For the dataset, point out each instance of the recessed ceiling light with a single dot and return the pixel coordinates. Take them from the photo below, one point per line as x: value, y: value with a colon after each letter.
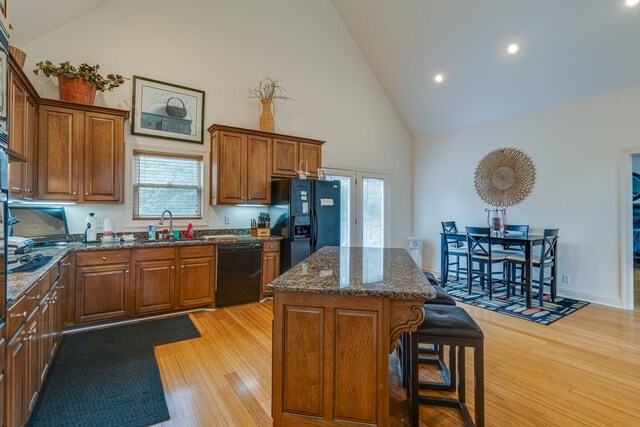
x: 632, y: 3
x: 513, y: 48
x: 439, y: 78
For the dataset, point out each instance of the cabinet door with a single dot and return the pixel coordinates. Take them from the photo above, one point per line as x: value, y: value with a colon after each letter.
x: 103, y: 292
x: 103, y: 157
x: 31, y: 131
x: 55, y: 318
x: 196, y: 282
x: 312, y: 153
x: 32, y: 354
x: 16, y: 369
x: 17, y: 113
x: 45, y: 336
x: 284, y: 157
x: 232, y: 164
x: 258, y: 170
x: 59, y: 153
x: 270, y: 269
x: 155, y: 286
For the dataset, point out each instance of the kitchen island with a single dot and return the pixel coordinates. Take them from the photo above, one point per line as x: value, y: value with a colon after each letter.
x: 337, y: 316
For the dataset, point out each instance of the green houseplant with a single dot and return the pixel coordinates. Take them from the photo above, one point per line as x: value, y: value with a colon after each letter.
x: 79, y: 84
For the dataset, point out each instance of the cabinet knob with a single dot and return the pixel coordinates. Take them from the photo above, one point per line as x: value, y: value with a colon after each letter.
x: 104, y: 258
x: 172, y: 267
x: 23, y: 314
x: 27, y: 338
x: 126, y: 271
x: 86, y: 193
x: 66, y: 264
x: 37, y: 297
x: 249, y: 198
x: 182, y: 266
x: 75, y: 193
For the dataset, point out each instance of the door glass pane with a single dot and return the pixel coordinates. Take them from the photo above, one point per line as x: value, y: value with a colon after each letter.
x: 345, y: 209
x: 373, y: 212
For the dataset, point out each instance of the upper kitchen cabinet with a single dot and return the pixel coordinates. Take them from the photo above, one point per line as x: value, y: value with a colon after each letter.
x: 243, y: 161
x: 23, y: 107
x: 80, y: 152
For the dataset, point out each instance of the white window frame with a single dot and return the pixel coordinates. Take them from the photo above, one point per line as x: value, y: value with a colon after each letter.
x: 166, y: 148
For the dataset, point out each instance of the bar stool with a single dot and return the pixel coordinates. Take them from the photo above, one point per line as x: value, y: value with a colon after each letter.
x: 435, y: 354
x: 452, y: 326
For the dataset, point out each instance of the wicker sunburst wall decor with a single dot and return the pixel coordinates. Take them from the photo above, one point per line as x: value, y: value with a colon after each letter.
x: 505, y: 177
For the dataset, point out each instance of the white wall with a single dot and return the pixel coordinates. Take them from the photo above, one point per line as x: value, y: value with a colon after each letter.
x: 578, y: 150
x: 225, y: 46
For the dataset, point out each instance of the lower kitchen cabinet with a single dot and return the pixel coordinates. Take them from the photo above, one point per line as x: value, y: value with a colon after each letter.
x: 155, y: 286
x: 197, y: 286
x: 33, y: 369
x: 16, y: 379
x: 103, y: 292
x: 270, y: 270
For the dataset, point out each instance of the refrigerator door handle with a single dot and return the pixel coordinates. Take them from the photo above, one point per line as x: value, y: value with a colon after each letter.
x: 314, y: 231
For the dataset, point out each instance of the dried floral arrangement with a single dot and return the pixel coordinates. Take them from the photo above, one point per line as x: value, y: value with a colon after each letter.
x: 84, y: 71
x: 270, y: 89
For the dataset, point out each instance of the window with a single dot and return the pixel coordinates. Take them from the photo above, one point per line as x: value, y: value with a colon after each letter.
x: 166, y: 181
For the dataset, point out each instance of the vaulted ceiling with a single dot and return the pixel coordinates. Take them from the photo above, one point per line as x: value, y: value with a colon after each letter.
x: 569, y: 49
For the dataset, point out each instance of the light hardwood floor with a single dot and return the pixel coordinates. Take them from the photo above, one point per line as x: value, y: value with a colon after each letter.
x: 583, y: 370
x: 636, y: 288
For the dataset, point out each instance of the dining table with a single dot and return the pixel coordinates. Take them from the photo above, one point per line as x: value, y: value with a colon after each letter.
x: 526, y: 241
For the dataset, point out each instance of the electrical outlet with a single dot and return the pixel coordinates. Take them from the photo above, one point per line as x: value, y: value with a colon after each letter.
x: 227, y: 220
x: 566, y: 278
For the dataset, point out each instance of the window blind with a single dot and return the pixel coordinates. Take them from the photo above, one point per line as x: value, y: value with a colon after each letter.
x: 166, y: 181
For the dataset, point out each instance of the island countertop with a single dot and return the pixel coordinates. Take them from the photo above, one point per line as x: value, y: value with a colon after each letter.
x: 373, y: 272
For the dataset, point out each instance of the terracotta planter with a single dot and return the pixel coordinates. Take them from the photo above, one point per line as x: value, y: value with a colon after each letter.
x: 266, y: 118
x: 19, y: 55
x: 76, y: 89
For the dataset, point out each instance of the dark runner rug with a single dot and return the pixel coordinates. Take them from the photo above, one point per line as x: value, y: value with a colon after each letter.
x: 516, y: 304
x: 109, y: 377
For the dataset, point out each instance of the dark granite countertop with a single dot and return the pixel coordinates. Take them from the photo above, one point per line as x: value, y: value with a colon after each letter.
x: 19, y: 283
x: 374, y: 272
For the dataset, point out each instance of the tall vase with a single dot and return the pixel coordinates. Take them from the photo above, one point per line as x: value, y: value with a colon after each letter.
x: 266, y: 118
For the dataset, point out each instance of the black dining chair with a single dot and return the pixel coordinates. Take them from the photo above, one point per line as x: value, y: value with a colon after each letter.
x: 516, y: 249
x: 545, y: 260
x: 455, y: 248
x: 479, y: 250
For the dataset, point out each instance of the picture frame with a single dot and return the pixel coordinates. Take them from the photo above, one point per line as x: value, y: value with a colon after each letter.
x: 322, y: 174
x: 166, y: 110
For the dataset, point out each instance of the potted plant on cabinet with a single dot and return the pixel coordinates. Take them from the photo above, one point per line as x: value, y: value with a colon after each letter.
x: 268, y: 92
x: 79, y: 84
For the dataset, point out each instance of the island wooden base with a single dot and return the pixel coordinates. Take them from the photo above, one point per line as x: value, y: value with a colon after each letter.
x: 331, y: 357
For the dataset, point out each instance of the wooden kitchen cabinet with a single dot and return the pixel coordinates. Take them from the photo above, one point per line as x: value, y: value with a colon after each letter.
x: 270, y: 265
x: 33, y: 345
x: 241, y: 168
x: 197, y: 285
x: 285, y: 158
x: 46, y: 326
x: 23, y: 127
x: 16, y: 379
x: 80, y: 153
x: 155, y: 286
x: 103, y: 292
x: 243, y: 161
x: 3, y: 373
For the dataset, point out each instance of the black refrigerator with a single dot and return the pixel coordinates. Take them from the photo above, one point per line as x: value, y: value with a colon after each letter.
x: 306, y: 214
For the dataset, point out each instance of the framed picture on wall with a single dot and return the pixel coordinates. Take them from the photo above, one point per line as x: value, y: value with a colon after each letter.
x: 322, y: 174
x: 165, y: 110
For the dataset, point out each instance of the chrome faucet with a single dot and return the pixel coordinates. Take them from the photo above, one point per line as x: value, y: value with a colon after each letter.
x: 170, y: 221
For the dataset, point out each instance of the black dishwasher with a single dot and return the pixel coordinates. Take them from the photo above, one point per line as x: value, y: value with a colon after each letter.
x: 239, y: 270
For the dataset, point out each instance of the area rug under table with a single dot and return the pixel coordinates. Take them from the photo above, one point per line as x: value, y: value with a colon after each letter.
x: 109, y: 377
x: 515, y: 305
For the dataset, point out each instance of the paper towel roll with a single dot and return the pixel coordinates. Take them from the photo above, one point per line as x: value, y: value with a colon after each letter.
x: 107, y: 229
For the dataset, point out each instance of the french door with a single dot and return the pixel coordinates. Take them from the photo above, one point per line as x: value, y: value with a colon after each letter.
x: 364, y: 206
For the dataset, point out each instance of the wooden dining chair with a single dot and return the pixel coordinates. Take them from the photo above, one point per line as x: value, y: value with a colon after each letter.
x: 545, y: 260
x: 455, y: 248
x: 480, y: 251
